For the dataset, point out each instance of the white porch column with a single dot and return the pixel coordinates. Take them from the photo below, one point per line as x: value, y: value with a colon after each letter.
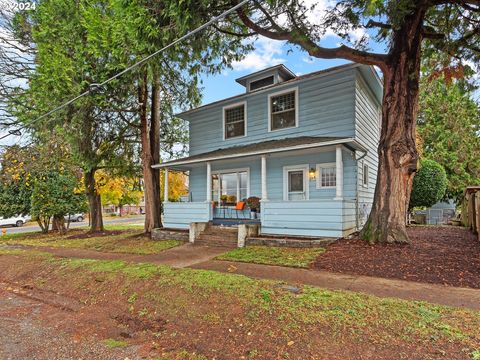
x: 209, y: 182
x: 339, y: 170
x: 264, y: 178
x: 165, y: 188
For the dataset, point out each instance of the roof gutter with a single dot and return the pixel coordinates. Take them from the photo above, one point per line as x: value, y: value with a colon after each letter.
x: 261, y: 152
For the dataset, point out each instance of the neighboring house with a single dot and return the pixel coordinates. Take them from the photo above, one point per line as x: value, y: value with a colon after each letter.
x: 440, y: 213
x: 306, y: 145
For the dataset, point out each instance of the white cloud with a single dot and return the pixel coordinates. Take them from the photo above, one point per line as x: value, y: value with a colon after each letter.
x: 317, y: 15
x: 308, y: 59
x: 267, y: 53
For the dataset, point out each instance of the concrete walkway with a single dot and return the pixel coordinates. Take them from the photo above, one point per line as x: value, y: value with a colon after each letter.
x: 177, y: 257
x: 408, y: 290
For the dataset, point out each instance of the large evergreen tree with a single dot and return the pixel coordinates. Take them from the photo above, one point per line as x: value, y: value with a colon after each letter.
x: 449, y: 129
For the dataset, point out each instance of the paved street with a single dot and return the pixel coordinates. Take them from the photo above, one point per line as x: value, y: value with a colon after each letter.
x: 33, y: 226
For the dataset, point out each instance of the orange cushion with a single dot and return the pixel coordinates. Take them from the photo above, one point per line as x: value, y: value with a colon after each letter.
x: 240, y: 205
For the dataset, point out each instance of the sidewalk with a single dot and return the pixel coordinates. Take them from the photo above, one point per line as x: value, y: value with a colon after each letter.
x: 408, y: 290
x: 177, y: 257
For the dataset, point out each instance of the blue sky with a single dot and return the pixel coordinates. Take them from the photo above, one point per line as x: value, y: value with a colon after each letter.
x: 267, y: 53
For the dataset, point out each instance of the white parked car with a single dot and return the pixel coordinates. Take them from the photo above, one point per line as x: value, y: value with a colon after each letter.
x: 75, y: 217
x: 14, y: 221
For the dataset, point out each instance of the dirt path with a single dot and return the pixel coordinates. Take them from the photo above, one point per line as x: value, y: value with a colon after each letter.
x: 177, y: 257
x: 23, y: 336
x: 408, y: 290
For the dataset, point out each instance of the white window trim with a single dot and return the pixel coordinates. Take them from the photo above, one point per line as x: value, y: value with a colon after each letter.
x: 319, y: 175
x: 285, y: 91
x: 364, y: 165
x: 306, y: 182
x: 244, y: 103
x: 228, y: 171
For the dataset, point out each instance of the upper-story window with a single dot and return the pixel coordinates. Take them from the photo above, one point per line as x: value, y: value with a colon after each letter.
x: 257, y: 84
x: 234, y: 121
x: 283, y: 110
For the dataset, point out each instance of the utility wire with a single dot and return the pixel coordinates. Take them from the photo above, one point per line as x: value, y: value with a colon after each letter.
x: 95, y: 86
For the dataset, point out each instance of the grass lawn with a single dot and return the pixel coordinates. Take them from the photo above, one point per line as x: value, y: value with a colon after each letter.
x: 125, y: 240
x: 210, y: 314
x: 282, y: 256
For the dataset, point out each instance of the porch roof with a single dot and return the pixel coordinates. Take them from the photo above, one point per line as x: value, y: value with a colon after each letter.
x: 266, y: 147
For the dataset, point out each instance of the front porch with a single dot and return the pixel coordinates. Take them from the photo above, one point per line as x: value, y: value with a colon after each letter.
x: 303, y: 191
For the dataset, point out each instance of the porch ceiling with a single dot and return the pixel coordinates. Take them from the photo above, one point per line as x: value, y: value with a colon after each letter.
x: 266, y: 147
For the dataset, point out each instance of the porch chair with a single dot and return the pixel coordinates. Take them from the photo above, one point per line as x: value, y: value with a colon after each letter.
x: 239, y: 208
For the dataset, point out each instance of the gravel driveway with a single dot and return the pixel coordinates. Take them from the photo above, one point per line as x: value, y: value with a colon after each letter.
x: 23, y: 336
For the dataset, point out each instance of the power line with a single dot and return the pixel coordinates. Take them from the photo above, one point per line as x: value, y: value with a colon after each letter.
x: 95, y: 86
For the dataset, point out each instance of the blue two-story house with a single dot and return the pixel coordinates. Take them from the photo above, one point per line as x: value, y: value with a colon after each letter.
x: 305, y: 145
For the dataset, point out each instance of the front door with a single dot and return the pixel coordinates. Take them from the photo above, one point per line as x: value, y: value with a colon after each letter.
x: 296, y: 183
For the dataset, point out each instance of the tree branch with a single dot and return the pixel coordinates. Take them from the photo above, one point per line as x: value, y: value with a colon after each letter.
x: 233, y: 33
x: 372, y: 23
x: 313, y: 49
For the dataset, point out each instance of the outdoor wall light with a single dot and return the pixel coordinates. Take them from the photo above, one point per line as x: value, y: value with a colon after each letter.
x: 311, y: 173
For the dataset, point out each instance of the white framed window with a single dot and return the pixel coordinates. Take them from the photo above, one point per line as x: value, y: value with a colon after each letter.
x: 295, y: 182
x: 235, y: 120
x: 283, y: 109
x: 326, y: 175
x: 365, y: 175
x: 233, y: 183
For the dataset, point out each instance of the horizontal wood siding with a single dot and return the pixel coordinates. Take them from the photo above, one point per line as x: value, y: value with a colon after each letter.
x: 326, y: 108
x: 198, y: 175
x: 306, y: 218
x: 367, y: 132
x: 179, y: 215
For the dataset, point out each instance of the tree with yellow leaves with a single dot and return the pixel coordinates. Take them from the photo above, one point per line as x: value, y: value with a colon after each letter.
x: 118, y: 190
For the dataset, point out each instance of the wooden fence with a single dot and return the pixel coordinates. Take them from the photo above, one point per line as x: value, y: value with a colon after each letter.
x: 471, y: 211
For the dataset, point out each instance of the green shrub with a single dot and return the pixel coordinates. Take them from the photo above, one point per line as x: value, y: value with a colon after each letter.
x: 429, y: 184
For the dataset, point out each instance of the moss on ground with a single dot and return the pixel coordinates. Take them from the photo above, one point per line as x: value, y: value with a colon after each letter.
x: 128, y: 242
x: 268, y: 255
x: 112, y: 343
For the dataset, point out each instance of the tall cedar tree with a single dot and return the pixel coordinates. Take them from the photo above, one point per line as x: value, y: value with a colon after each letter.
x: 170, y: 81
x: 409, y: 29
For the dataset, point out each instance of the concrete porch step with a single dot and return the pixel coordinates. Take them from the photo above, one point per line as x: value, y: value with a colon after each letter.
x: 218, y: 238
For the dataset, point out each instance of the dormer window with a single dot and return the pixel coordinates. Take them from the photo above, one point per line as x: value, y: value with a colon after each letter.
x: 266, y: 77
x: 258, y: 84
x: 283, y: 110
x: 234, y: 121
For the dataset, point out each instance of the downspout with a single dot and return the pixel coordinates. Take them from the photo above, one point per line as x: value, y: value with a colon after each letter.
x: 357, y: 222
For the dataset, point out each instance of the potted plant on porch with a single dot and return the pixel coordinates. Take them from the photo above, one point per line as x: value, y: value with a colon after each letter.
x: 253, y: 202
x: 223, y: 199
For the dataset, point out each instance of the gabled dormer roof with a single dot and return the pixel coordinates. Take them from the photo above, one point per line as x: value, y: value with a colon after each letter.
x: 280, y: 72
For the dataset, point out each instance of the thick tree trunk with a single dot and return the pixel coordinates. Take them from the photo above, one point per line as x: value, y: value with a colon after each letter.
x: 150, y: 140
x: 155, y: 149
x: 94, y: 201
x: 58, y: 224
x: 397, y: 149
